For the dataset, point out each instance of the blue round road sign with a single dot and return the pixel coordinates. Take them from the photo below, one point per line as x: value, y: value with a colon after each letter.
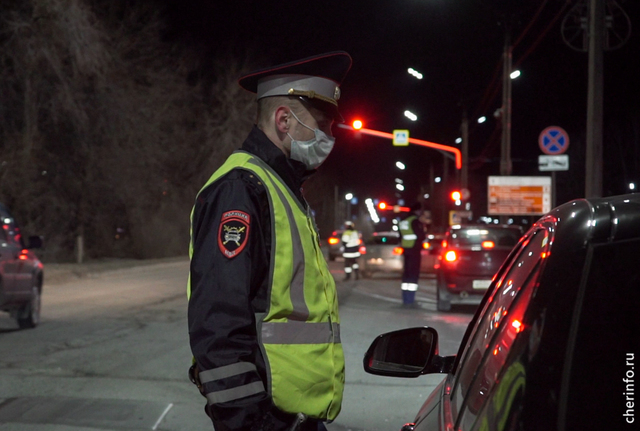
x: 553, y: 140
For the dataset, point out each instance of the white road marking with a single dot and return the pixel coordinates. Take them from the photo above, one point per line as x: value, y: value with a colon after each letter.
x: 164, y: 413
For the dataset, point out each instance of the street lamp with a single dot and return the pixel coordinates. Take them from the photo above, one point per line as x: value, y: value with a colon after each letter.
x: 410, y: 115
x: 414, y: 73
x: 400, y: 166
x: 349, y: 198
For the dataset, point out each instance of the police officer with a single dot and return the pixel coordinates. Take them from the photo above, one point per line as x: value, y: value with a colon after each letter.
x: 413, y: 233
x: 351, y: 249
x: 263, y: 316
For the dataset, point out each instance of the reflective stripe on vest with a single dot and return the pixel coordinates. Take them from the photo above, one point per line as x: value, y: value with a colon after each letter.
x: 301, y: 326
x: 409, y: 237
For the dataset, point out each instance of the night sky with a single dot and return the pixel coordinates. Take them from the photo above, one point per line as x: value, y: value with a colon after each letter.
x: 457, y: 45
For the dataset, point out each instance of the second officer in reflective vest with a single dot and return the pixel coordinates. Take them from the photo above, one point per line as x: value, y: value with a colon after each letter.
x: 263, y: 318
x: 413, y: 233
x: 351, y: 250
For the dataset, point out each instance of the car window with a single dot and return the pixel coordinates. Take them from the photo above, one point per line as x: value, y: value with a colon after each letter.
x: 10, y: 230
x: 606, y: 341
x: 384, y: 239
x: 489, y: 345
x: 476, y: 236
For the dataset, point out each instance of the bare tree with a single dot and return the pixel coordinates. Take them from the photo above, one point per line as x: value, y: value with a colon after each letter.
x: 101, y: 134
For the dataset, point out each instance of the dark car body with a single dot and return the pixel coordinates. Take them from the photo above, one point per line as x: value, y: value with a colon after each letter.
x: 553, y: 344
x: 334, y: 242
x: 469, y: 258
x: 430, y: 253
x: 20, y: 273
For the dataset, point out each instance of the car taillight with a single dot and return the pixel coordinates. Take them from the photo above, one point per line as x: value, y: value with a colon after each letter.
x: 444, y: 243
x: 450, y: 256
x: 362, y: 249
x: 333, y: 241
x: 488, y: 244
x: 397, y: 250
x: 426, y: 245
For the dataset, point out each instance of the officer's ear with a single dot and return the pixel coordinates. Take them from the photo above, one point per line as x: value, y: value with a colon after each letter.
x: 282, y: 119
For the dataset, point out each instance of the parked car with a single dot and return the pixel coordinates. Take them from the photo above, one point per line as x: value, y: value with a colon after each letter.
x: 382, y: 253
x: 20, y: 273
x: 469, y: 258
x: 553, y: 344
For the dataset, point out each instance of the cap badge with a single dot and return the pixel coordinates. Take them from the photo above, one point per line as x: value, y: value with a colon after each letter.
x: 336, y: 93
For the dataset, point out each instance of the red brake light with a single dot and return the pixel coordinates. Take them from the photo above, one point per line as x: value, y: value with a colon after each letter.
x: 426, y: 245
x: 450, y: 256
x: 444, y: 243
x: 397, y: 250
x: 333, y: 241
x: 362, y: 249
x: 488, y: 244
x: 517, y: 325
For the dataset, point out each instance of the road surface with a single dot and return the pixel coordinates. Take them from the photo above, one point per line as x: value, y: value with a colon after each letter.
x: 112, y: 353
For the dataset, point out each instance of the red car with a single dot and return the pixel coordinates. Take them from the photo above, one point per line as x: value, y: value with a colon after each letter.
x: 20, y: 273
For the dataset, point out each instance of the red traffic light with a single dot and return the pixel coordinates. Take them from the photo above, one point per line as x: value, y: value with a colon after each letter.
x: 357, y: 124
x: 456, y: 195
x: 382, y: 206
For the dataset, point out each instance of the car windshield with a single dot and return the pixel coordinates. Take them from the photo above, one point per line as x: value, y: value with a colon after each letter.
x: 385, y: 238
x: 477, y: 235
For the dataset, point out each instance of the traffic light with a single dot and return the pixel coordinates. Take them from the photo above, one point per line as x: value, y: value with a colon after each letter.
x: 382, y: 205
x: 456, y: 195
x: 357, y: 124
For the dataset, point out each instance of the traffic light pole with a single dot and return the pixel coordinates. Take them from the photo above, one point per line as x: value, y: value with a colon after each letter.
x: 446, y: 148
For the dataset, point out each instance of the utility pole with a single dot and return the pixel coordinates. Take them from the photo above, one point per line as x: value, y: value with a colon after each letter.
x: 465, y: 150
x: 593, y: 179
x: 505, y: 153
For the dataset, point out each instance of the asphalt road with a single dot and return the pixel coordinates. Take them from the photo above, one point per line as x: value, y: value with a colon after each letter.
x: 111, y: 353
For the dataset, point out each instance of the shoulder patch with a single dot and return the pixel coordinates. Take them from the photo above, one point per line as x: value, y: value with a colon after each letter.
x: 233, y: 233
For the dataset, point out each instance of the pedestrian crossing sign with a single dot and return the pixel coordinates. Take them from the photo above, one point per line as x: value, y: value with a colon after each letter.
x: 400, y: 138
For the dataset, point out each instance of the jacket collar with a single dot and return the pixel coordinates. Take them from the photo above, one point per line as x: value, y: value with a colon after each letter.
x: 292, y: 172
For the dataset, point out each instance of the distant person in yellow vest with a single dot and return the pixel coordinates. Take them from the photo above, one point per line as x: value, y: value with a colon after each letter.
x: 263, y: 316
x: 351, y: 250
x: 413, y: 231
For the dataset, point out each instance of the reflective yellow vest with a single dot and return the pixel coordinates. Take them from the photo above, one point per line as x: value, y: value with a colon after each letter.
x: 409, y: 237
x: 300, y: 333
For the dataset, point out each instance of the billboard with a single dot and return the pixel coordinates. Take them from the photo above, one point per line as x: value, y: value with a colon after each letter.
x: 519, y: 195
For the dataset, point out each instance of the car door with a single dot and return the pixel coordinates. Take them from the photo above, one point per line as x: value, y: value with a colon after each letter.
x: 484, y: 356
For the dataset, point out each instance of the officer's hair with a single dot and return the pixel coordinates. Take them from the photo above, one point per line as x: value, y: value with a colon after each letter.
x: 268, y: 105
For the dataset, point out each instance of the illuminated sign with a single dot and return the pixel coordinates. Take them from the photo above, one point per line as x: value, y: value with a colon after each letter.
x: 519, y: 195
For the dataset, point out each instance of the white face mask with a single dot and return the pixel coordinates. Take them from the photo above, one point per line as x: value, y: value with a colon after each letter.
x: 314, y: 151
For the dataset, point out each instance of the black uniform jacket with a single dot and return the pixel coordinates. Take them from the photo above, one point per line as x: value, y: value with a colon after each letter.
x: 226, y: 292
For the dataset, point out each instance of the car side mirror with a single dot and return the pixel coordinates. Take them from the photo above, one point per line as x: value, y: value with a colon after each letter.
x: 408, y: 352
x: 34, y: 242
